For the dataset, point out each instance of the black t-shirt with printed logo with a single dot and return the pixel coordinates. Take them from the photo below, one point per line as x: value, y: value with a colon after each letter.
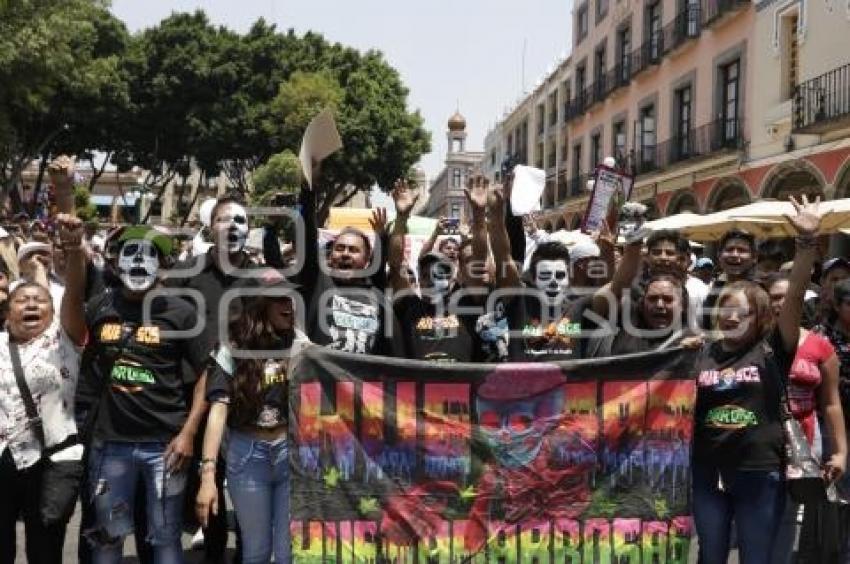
x: 429, y: 334
x: 146, y: 398
x: 738, y: 421
x: 271, y: 411
x: 355, y: 317
x: 537, y: 336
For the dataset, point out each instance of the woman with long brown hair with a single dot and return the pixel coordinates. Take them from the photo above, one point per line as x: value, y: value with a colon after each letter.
x: 738, y: 438
x: 247, y: 390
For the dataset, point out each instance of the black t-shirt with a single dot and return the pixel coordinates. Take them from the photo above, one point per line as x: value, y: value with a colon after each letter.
x: 738, y: 420
x: 201, y: 273
x: 489, y: 329
x: 146, y: 399
x: 355, y: 317
x: 537, y: 336
x: 271, y: 411
x: 431, y: 335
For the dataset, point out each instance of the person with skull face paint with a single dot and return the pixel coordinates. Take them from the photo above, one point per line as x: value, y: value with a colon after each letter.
x: 429, y: 329
x: 214, y: 273
x: 146, y: 421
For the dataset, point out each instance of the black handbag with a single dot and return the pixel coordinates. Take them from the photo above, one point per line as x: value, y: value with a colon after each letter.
x: 803, y: 472
x: 60, y: 480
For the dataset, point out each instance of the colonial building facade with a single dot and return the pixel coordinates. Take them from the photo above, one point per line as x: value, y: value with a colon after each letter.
x: 712, y: 103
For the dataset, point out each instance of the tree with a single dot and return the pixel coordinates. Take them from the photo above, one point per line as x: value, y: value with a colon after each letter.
x: 381, y: 138
x: 56, y: 56
x: 281, y: 173
x: 85, y: 209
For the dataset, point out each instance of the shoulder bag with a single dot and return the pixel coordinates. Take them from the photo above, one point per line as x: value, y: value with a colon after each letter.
x: 60, y: 480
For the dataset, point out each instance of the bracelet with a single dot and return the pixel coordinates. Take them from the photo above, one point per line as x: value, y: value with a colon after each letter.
x: 207, y: 462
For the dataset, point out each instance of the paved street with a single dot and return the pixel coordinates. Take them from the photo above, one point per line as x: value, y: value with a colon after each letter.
x: 70, y: 554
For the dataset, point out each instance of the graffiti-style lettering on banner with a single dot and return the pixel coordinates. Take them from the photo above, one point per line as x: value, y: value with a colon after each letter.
x: 400, y: 461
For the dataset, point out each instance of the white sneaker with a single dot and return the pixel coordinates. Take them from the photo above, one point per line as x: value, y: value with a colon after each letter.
x: 198, y: 540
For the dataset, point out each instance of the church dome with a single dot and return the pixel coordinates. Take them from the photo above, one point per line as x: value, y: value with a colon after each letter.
x: 457, y: 122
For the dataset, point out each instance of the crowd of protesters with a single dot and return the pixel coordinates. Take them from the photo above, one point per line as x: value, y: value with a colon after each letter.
x: 132, y: 353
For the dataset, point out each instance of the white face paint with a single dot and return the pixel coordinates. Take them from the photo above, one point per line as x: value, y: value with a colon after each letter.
x: 138, y: 265
x: 231, y: 227
x: 552, y: 278
x: 441, y: 274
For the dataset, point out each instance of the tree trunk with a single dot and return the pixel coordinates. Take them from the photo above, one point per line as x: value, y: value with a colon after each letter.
x: 185, y: 217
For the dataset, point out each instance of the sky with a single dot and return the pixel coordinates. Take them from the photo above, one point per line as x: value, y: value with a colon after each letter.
x: 452, y: 54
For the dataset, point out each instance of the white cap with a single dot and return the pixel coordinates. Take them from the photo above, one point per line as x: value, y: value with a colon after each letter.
x: 33, y: 247
x: 205, y: 211
x: 582, y: 250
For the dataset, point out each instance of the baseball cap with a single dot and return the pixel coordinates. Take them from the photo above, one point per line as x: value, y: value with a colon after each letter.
x: 583, y: 250
x: 33, y: 247
x: 163, y: 244
x: 704, y: 262
x: 833, y: 263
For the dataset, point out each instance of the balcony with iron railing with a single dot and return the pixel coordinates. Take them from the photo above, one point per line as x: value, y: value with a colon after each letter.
x: 715, y: 10
x: 823, y: 103
x: 720, y: 135
x: 683, y: 28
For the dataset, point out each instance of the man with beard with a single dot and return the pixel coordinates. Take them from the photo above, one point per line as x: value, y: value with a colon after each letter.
x: 346, y: 306
x: 431, y: 330
x: 146, y: 420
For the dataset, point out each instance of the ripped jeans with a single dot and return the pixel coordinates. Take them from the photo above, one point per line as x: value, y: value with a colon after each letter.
x: 114, y: 470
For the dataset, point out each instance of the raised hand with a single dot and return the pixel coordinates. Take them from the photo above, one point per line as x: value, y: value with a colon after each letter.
x: 496, y: 204
x: 604, y: 237
x: 71, y: 231
x: 61, y: 171
x: 476, y: 192
x: 808, y: 217
x: 405, y: 198
x: 378, y: 221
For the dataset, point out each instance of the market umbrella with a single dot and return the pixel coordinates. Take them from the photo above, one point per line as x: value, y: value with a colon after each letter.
x: 711, y: 227
x: 836, y: 214
x: 765, y: 219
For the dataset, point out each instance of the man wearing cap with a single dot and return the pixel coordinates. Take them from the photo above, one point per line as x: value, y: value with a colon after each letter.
x: 429, y: 327
x: 143, y: 427
x: 704, y: 270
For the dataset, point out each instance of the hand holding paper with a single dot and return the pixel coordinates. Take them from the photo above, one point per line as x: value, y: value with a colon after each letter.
x: 528, y: 185
x: 321, y: 139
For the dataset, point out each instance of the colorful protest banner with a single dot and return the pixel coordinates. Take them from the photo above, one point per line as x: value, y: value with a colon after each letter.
x: 402, y: 461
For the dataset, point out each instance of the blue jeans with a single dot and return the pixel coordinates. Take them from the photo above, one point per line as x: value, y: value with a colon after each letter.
x: 258, y: 482
x: 754, y: 499
x: 114, y: 471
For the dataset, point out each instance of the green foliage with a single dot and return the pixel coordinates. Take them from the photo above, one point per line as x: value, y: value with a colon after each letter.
x: 85, y: 209
x: 186, y: 92
x: 282, y: 173
x: 59, y: 62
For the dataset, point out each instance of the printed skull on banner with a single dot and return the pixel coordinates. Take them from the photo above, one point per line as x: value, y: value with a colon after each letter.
x: 138, y: 265
x: 518, y: 412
